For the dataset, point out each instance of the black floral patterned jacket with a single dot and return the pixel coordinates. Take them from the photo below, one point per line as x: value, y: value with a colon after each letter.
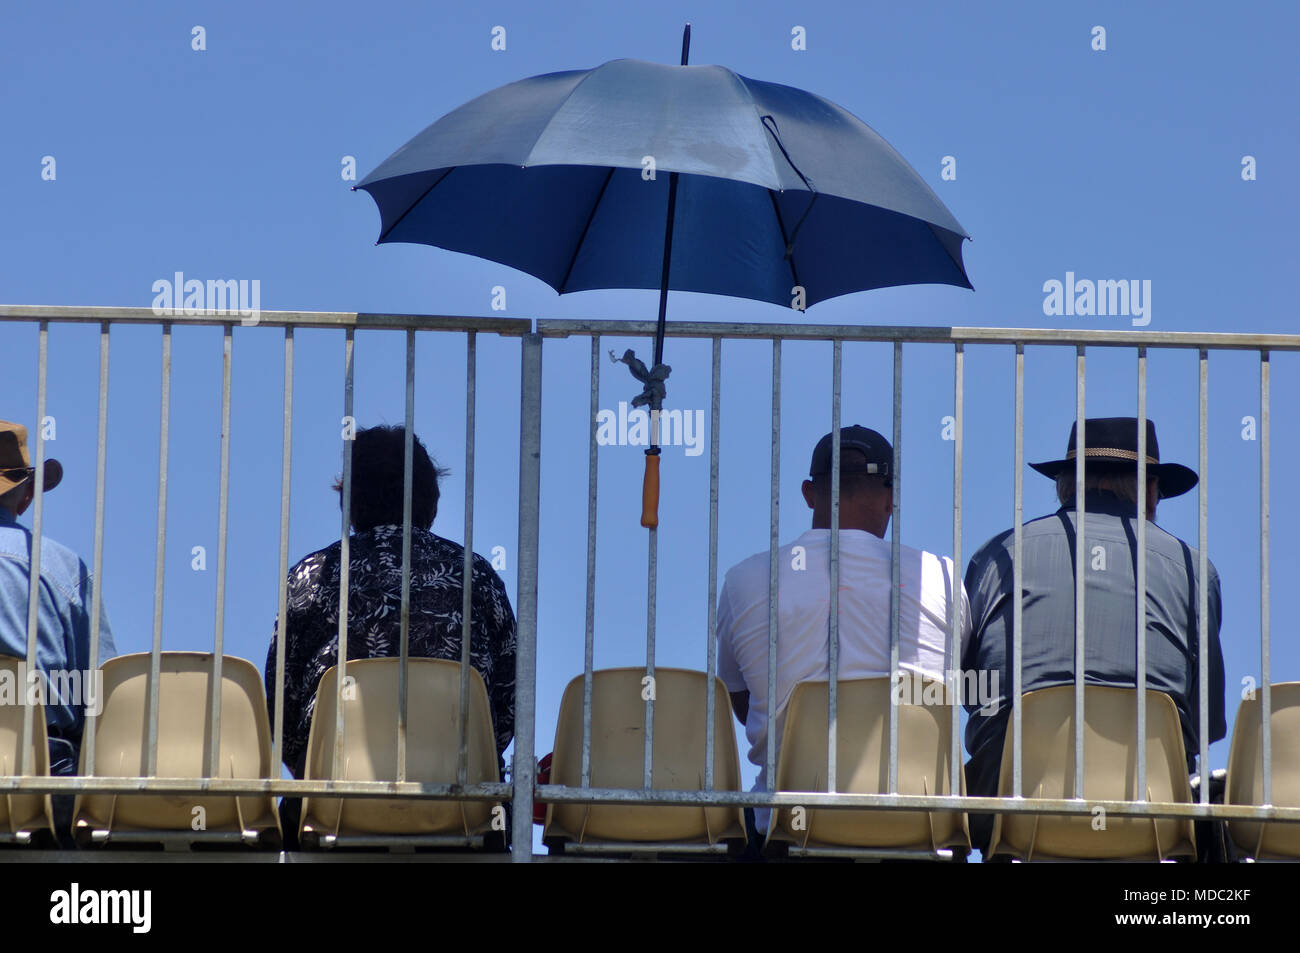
x: 374, y: 620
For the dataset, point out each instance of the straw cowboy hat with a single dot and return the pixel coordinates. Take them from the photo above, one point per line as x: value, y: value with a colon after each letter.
x: 1111, y: 442
x: 15, y: 465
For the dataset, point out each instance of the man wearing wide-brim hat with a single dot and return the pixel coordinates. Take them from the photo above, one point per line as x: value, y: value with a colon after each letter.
x: 1110, y: 601
x: 63, y: 614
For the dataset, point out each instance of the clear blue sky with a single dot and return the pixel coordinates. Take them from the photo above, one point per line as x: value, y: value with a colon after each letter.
x: 225, y: 163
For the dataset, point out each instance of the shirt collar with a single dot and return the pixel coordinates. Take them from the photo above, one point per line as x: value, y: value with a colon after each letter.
x: 1102, y: 501
x: 845, y: 532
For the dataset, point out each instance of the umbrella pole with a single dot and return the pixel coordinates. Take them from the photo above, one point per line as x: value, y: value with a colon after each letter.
x: 650, y: 482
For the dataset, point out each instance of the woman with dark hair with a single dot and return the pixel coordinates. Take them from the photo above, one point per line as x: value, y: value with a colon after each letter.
x: 375, y: 594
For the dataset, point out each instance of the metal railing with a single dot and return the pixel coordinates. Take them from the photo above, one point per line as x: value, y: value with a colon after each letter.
x: 959, y: 339
x: 522, y: 788
x: 349, y: 322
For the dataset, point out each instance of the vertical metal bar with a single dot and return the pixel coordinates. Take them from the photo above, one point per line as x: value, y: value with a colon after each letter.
x: 345, y: 555
x: 833, y: 678
x: 467, y: 570
x: 895, y: 539
x: 155, y: 657
x: 955, y: 659
x: 38, y: 519
x: 589, y: 645
x: 1266, y: 713
x: 1080, y: 582
x: 1141, y: 613
x: 286, y: 458
x: 1018, y: 582
x: 223, y: 520
x: 97, y: 560
x: 404, y: 617
x: 710, y: 704
x: 1202, y: 583
x: 773, y: 592
x: 530, y: 462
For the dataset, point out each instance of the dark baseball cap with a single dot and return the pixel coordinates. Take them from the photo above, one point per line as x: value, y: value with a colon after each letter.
x: 875, y: 448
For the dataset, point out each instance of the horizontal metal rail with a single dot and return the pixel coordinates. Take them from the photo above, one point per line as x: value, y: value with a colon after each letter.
x: 560, y: 793
x: 1193, y: 340
x: 564, y: 327
x: 286, y: 787
x: 360, y: 320
x: 916, y: 802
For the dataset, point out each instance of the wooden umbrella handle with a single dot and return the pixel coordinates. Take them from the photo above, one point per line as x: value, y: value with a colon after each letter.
x: 650, y: 492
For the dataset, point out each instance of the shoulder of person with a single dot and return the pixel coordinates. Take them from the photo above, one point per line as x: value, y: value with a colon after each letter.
x: 63, y: 568
x: 482, y: 567
x: 1177, y: 550
x: 1049, y: 524
x: 995, y: 546
x: 309, y: 567
x: 750, y: 570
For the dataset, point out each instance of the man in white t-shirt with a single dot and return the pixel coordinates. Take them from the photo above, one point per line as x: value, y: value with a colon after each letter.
x: 803, y: 607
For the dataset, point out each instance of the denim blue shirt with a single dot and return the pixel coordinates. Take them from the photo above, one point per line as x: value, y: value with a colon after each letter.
x: 1110, y: 608
x: 63, y: 619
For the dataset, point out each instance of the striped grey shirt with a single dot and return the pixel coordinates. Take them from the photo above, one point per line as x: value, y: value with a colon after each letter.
x: 1110, y: 608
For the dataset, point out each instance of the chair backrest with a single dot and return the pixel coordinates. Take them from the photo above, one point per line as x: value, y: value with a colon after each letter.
x: 617, y: 758
x: 185, y: 690
x: 1246, y: 772
x: 21, y: 815
x: 370, y: 712
x: 1110, y: 773
x: 862, y: 764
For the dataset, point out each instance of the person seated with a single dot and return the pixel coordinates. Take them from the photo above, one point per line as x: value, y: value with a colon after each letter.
x: 63, y: 620
x: 1110, y: 601
x: 375, y: 596
x: 803, y: 588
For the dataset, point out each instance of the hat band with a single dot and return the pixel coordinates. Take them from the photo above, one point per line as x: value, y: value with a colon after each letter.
x: 1113, y: 453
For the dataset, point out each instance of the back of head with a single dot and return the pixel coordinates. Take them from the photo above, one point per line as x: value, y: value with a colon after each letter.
x: 1119, y: 481
x: 855, y: 483
x: 378, y: 459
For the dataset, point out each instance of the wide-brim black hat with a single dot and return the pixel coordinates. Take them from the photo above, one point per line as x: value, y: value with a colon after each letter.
x: 1110, y: 443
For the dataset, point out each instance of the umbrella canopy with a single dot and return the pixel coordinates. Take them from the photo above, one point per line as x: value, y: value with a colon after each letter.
x: 566, y: 177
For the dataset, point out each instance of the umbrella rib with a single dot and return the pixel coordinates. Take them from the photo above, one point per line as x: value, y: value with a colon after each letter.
x: 587, y: 225
x: 388, y: 231
x: 794, y: 273
x: 956, y: 260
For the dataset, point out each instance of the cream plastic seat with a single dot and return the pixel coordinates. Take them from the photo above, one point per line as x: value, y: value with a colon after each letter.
x: 862, y: 767
x: 617, y: 761
x: 370, y: 710
x: 1110, y: 773
x: 1266, y: 841
x: 23, y: 817
x: 184, y: 702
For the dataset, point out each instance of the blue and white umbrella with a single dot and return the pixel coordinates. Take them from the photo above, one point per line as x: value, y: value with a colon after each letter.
x: 691, y: 178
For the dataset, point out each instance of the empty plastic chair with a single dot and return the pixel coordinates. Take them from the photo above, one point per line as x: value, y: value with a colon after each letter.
x: 23, y: 817
x: 370, y: 711
x: 185, y: 690
x: 617, y: 761
x: 1277, y: 840
x: 1110, y: 774
x: 862, y: 767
